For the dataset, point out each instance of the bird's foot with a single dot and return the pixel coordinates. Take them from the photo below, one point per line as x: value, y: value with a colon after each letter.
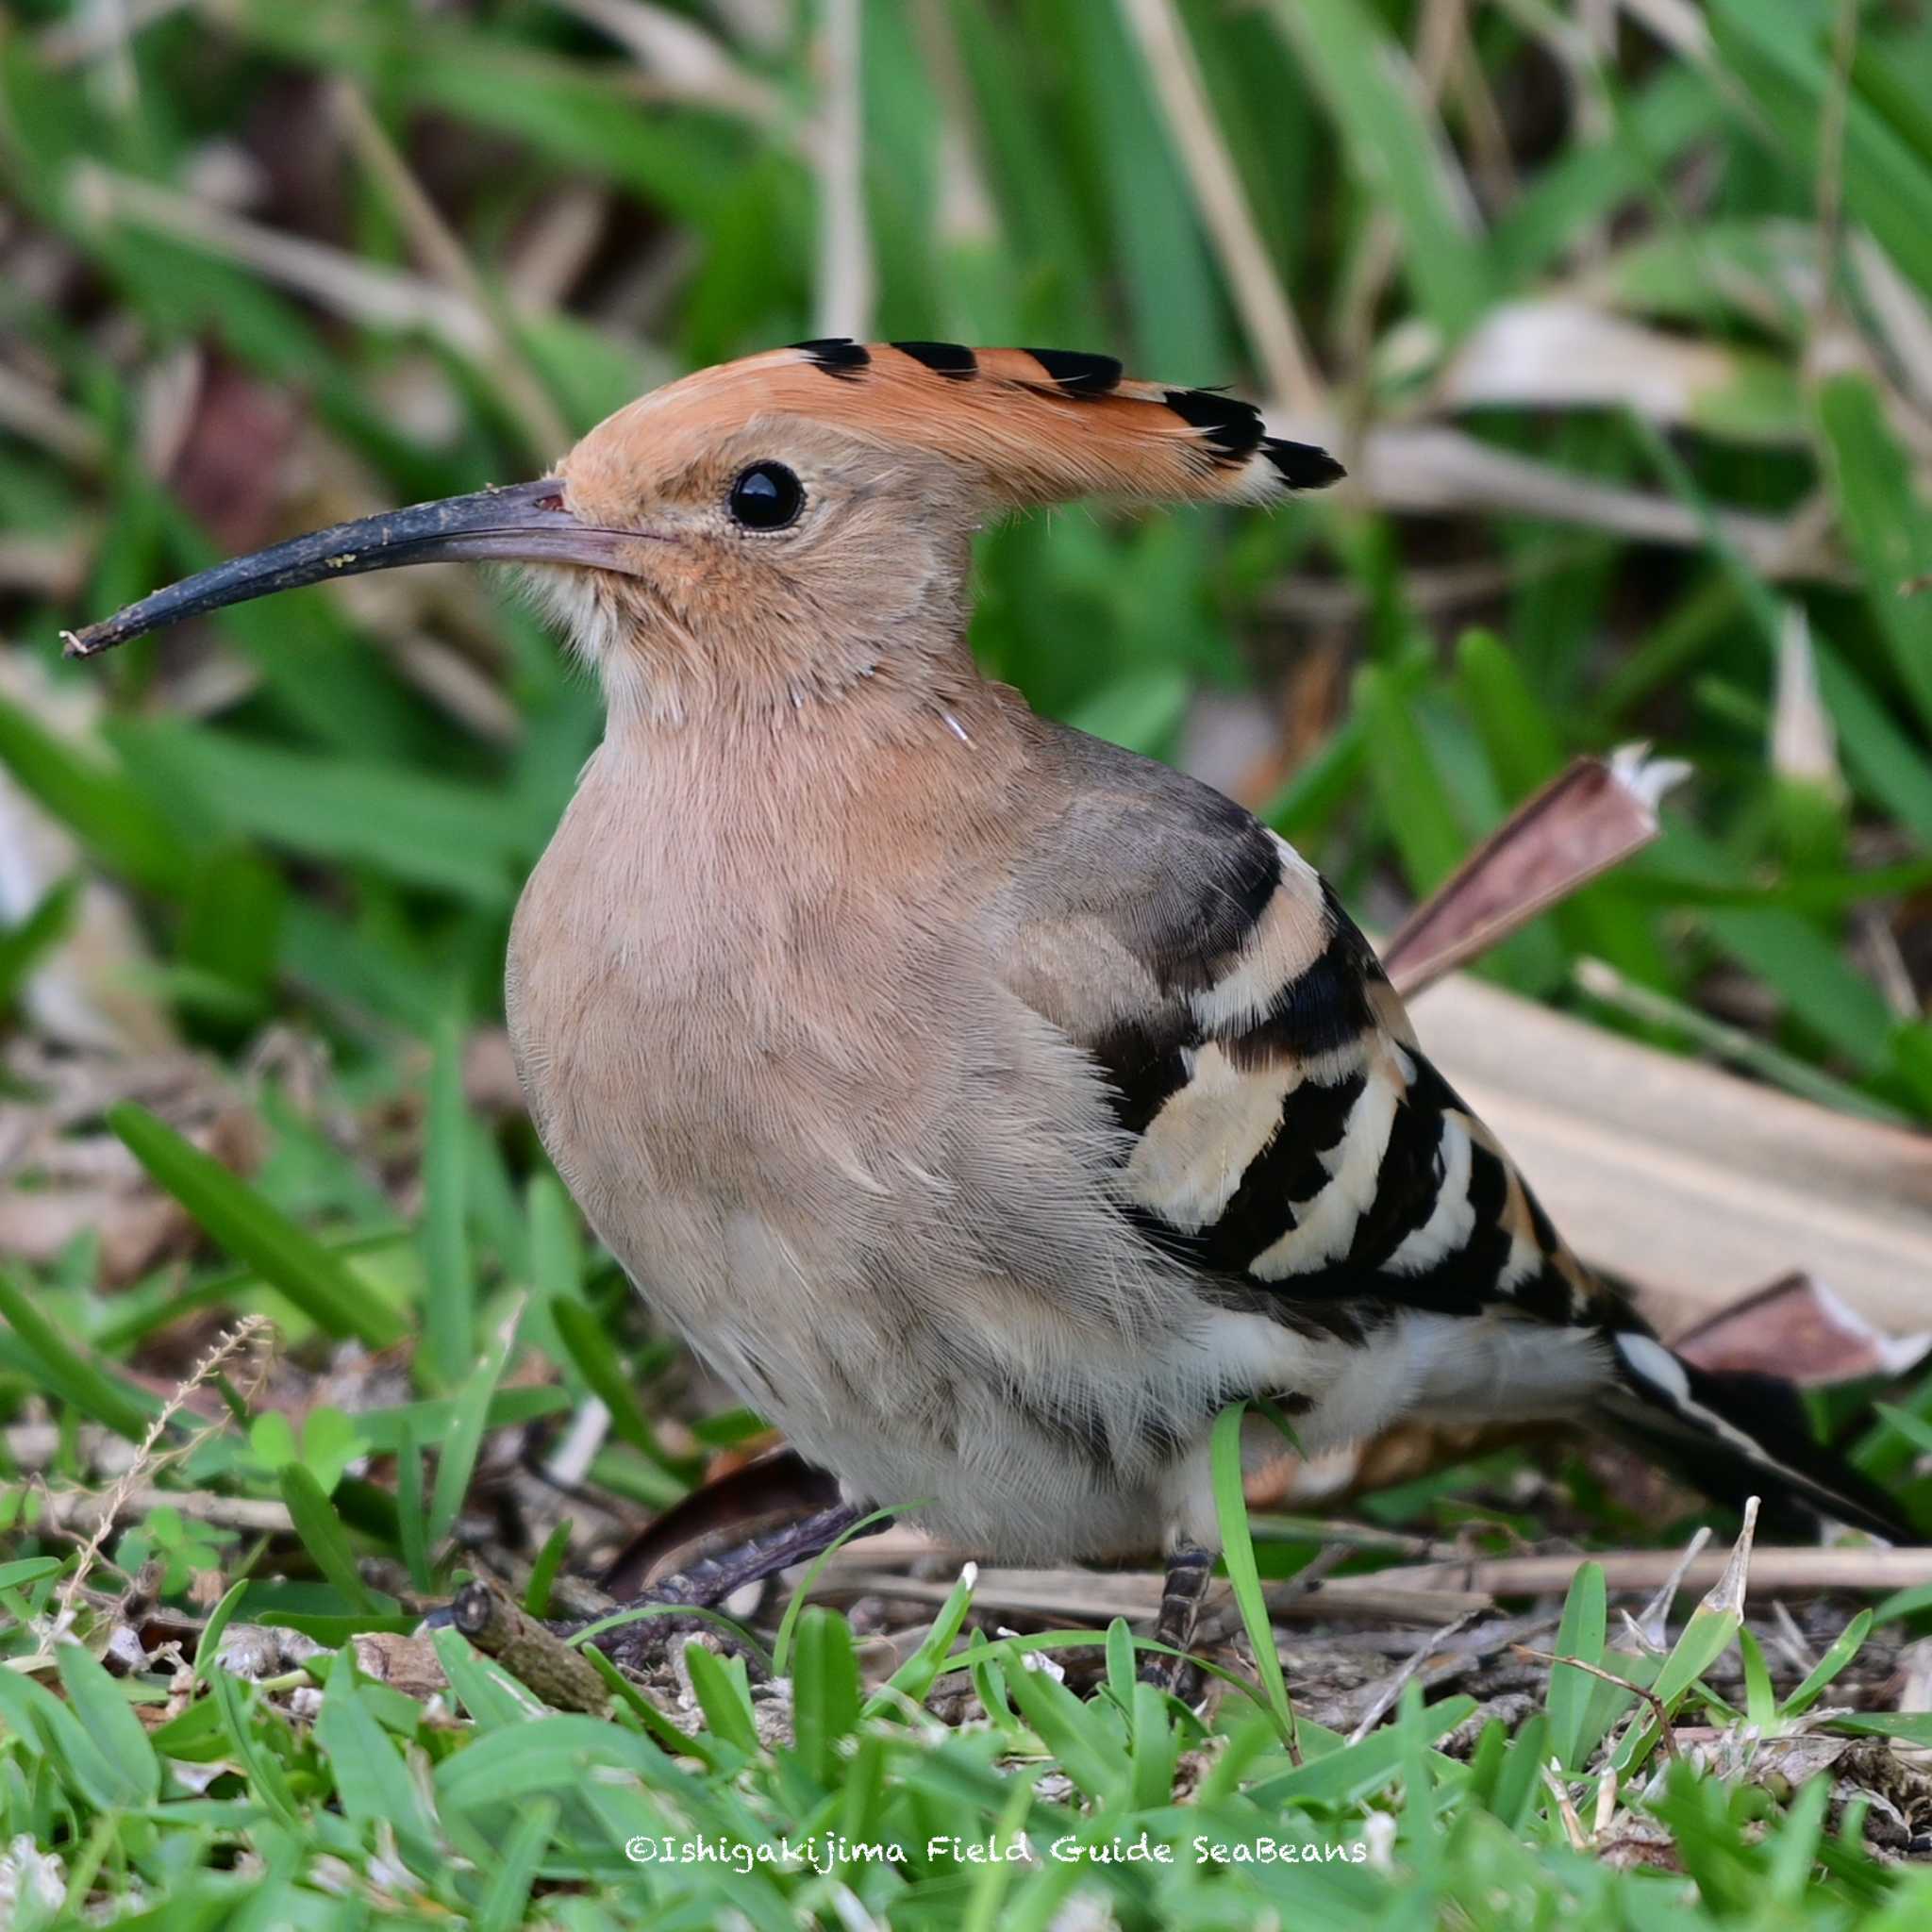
x: 680, y: 1607
x: 643, y: 1646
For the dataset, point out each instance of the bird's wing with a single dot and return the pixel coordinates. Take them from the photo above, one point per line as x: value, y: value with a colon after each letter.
x: 1288, y: 1130
x: 1287, y: 1133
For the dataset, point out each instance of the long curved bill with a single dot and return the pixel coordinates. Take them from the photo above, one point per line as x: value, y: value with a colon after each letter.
x: 523, y: 523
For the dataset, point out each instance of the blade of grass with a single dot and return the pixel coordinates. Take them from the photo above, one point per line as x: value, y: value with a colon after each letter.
x: 254, y: 1231
x: 1397, y: 149
x: 208, y: 1645
x: 24, y: 946
x: 48, y: 1730
x: 323, y: 1533
x: 781, y: 1646
x: 1238, y: 1552
x: 1887, y: 525
x: 1850, y: 1641
x: 914, y: 1678
x: 108, y: 811
x: 1732, y: 1044
x: 1580, y: 1636
x: 557, y: 1256
x: 371, y: 1782
x: 723, y: 1697
x: 544, y: 1570
x: 461, y: 840
x: 16, y: 1575
x: 1415, y: 803
x: 449, y: 1307
x: 500, y: 1908
x: 1760, y: 1700
x: 98, y: 1395
x: 101, y: 1707
x: 456, y: 1462
x: 1713, y: 1626
x: 591, y: 1349
x: 412, y: 1523
x: 642, y: 1612
x: 824, y: 1691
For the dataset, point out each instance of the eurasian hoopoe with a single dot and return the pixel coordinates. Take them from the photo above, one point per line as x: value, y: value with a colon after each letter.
x: 987, y: 1105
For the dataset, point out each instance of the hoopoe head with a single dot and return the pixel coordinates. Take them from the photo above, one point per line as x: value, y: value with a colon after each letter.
x: 796, y: 521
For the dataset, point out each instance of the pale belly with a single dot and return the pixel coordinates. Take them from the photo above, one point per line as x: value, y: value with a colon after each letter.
x: 1020, y: 1440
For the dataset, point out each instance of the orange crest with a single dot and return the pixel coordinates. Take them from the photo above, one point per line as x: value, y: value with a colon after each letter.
x: 1039, y: 426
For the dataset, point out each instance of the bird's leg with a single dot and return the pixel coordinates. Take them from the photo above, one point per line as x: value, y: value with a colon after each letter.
x: 1188, y: 1567
x: 711, y: 1579
x: 706, y: 1582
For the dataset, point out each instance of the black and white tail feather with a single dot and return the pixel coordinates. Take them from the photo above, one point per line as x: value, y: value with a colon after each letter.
x: 1736, y: 1433
x: 1292, y: 1144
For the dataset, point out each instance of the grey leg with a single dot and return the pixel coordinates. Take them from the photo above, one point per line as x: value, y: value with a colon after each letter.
x: 1188, y: 1567
x: 711, y: 1579
x: 704, y: 1583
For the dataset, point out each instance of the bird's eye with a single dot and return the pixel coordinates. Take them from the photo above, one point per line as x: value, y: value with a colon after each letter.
x: 767, y: 496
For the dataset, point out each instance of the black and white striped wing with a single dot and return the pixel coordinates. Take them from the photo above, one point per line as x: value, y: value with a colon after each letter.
x: 1288, y: 1130
x: 1288, y: 1135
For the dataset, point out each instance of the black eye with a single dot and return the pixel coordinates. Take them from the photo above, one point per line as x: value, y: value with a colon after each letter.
x: 767, y: 496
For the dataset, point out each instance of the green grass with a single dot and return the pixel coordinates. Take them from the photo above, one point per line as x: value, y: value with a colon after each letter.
x: 313, y: 816
x: 813, y: 1798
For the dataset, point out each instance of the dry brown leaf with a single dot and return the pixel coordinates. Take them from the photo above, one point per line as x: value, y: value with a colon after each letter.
x: 136, y: 1228
x: 1799, y: 1329
x: 227, y: 463
x: 1590, y: 817
x: 408, y: 1664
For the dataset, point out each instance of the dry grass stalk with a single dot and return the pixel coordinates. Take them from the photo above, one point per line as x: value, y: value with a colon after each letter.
x: 36, y: 415
x: 1590, y: 1670
x: 365, y: 292
x: 1652, y: 1624
x: 684, y: 61
x: 73, y: 1509
x: 149, y: 1460
x: 847, y: 282
x: 1094, y: 1596
x: 1562, y: 351
x: 1792, y: 1572
x: 1573, y: 1825
x: 1438, y: 1594
x: 545, y: 431
x: 1434, y: 470
x: 1384, y: 1699
x: 1266, y: 313
x: 95, y: 32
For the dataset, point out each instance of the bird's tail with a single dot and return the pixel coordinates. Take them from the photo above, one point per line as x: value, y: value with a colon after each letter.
x: 1735, y: 1435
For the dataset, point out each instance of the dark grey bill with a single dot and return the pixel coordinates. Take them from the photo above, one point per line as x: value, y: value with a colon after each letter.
x: 524, y: 522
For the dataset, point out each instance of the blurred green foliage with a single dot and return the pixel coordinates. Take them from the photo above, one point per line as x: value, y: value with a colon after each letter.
x: 1026, y: 177
x: 1628, y: 342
